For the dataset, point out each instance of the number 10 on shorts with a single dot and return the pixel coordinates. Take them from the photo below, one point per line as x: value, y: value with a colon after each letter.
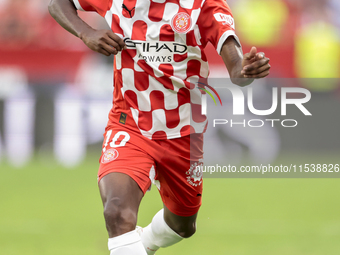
x: 118, y: 140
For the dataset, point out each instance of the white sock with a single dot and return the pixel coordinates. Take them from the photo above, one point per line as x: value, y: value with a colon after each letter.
x: 158, y: 234
x: 127, y: 244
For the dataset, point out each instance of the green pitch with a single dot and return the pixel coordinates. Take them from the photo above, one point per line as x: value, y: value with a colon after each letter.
x: 49, y: 210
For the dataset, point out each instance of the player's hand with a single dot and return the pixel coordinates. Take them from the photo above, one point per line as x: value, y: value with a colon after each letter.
x: 103, y: 41
x: 255, y: 65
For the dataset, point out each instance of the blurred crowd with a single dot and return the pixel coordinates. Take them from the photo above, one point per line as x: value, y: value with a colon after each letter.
x: 27, y: 24
x: 308, y: 28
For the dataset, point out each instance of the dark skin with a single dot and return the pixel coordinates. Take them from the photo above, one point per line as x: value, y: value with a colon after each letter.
x: 243, y: 69
x: 103, y: 41
x: 120, y: 194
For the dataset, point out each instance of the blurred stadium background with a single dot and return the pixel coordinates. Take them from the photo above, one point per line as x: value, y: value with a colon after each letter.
x: 54, y: 99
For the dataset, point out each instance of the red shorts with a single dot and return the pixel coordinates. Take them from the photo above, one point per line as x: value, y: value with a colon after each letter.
x: 173, y: 165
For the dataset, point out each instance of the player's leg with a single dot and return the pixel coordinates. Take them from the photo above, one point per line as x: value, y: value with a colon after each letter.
x: 180, y: 185
x: 166, y: 229
x: 123, y: 178
x: 121, y: 197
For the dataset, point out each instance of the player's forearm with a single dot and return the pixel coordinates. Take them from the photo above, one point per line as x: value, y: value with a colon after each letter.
x: 65, y: 13
x: 232, y: 56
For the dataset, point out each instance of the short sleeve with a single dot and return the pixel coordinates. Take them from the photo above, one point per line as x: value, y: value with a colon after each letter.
x: 99, y: 6
x: 216, y: 23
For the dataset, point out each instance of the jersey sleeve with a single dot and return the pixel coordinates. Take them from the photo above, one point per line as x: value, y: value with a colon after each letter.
x: 99, y: 6
x: 216, y: 23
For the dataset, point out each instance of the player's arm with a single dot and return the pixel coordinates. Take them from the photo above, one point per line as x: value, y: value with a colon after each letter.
x: 103, y: 41
x: 243, y: 69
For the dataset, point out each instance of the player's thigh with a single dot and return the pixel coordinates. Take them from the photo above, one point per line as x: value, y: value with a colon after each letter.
x: 121, y: 197
x: 120, y: 190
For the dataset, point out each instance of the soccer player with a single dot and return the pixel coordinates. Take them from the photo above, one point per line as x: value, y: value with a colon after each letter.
x: 154, y: 133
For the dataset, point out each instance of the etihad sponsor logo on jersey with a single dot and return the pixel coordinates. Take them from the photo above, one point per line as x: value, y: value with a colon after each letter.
x: 156, y: 51
x: 225, y: 19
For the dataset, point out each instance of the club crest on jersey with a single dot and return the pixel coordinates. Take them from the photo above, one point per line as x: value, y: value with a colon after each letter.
x: 181, y: 22
x: 195, y: 174
x: 109, y: 155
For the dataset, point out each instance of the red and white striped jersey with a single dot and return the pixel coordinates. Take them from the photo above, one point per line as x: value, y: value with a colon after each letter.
x: 155, y: 78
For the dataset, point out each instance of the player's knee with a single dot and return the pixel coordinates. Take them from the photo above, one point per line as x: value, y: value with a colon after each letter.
x: 118, y: 217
